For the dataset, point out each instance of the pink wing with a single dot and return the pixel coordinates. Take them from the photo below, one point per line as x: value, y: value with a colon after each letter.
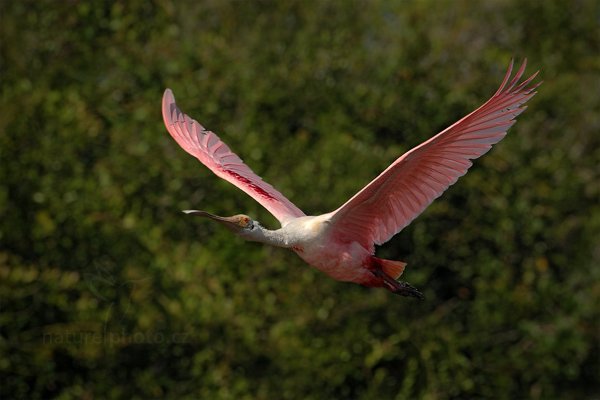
x: 212, y: 152
x: 401, y: 192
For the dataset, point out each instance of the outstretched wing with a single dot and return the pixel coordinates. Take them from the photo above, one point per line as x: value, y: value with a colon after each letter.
x: 401, y: 192
x: 212, y: 152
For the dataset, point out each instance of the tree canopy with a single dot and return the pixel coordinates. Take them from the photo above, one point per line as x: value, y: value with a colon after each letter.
x: 108, y: 291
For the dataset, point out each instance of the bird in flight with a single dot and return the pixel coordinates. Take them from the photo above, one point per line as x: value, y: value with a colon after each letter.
x: 342, y: 243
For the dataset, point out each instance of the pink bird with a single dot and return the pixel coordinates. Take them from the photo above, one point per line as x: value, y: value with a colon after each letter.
x: 342, y: 243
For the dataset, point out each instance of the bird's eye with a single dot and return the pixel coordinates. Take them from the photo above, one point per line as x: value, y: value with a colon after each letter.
x: 244, y: 222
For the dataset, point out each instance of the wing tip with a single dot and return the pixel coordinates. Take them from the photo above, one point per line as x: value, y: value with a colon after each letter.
x: 168, y: 97
x: 512, y: 85
x: 169, y: 107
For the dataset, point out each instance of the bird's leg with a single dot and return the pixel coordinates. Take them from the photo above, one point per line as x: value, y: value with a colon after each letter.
x: 407, y: 290
x: 398, y: 287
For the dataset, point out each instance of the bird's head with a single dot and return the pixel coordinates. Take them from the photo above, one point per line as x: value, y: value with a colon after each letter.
x: 240, y: 224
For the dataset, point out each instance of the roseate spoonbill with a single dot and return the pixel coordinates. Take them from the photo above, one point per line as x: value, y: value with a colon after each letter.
x: 342, y: 243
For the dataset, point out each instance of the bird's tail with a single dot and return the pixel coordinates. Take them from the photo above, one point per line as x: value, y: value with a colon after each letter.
x: 392, y: 268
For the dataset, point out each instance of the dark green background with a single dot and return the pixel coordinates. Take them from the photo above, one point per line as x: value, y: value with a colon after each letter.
x: 109, y: 291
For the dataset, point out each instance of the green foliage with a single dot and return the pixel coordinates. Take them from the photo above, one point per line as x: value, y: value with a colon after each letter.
x: 108, y: 291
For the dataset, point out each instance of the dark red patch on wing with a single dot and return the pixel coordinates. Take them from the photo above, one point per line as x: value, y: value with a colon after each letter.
x: 249, y: 183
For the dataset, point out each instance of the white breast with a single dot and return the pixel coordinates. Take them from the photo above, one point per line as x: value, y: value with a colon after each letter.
x: 306, y: 230
x: 309, y: 238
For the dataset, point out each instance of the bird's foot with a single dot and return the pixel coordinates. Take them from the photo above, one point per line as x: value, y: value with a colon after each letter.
x: 398, y: 287
x: 405, y: 289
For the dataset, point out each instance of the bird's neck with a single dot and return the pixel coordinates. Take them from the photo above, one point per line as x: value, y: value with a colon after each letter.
x: 274, y: 238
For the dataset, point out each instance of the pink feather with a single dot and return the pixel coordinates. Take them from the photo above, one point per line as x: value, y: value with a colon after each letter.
x: 212, y: 152
x: 401, y: 192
